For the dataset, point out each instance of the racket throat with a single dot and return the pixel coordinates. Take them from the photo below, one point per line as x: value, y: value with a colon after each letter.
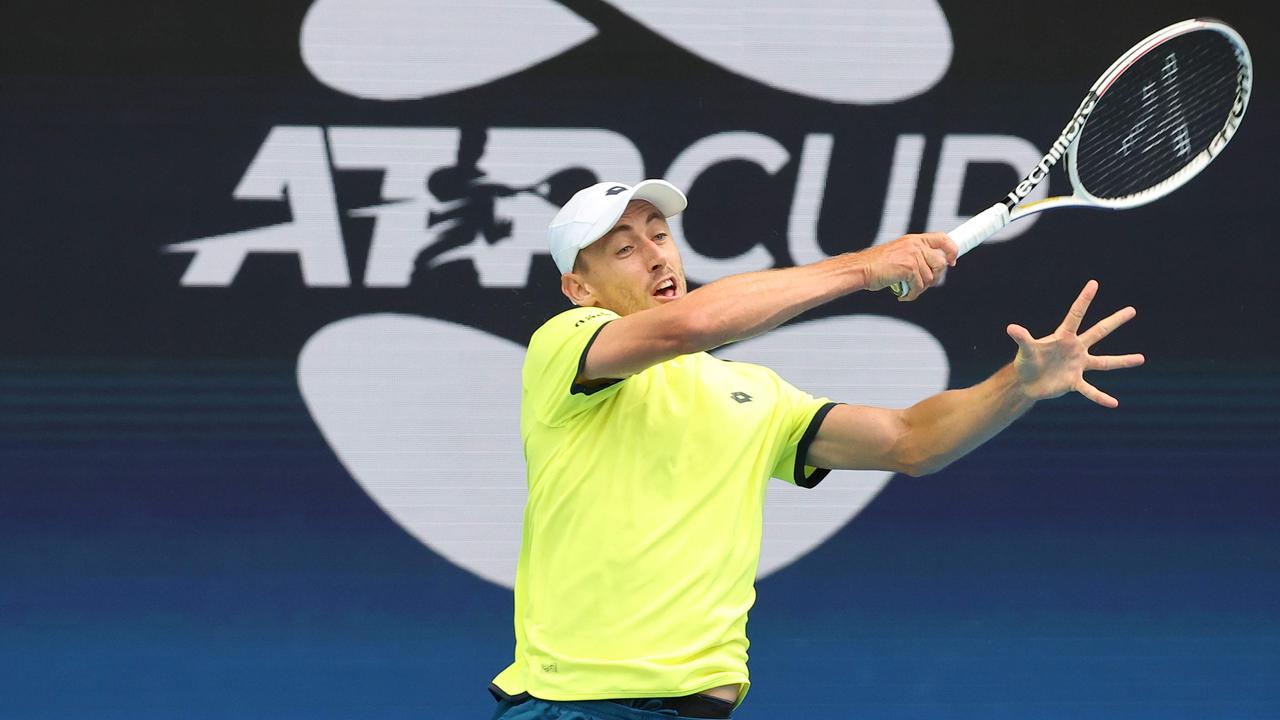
x: 1059, y: 148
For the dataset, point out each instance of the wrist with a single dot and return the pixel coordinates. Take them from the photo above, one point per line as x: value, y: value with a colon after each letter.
x: 858, y: 271
x: 1019, y: 389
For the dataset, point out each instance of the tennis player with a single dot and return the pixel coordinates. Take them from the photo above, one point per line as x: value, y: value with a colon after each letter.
x: 647, y: 457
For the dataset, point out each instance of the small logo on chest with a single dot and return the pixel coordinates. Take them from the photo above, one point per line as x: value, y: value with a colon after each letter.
x: 740, y: 396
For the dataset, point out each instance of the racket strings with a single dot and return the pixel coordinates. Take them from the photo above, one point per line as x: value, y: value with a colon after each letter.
x: 1162, y: 132
x: 1171, y: 126
x: 1159, y: 115
x: 1177, y: 112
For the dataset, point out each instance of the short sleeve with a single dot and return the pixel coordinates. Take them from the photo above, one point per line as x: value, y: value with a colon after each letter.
x: 557, y: 353
x: 800, y: 415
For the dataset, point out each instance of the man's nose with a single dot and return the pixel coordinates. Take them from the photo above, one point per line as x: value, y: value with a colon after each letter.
x: 653, y: 255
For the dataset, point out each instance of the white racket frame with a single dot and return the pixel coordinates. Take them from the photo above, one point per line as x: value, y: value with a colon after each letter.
x: 980, y: 227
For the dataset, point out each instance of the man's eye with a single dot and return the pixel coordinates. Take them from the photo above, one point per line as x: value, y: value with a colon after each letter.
x: 660, y: 237
x: 624, y: 250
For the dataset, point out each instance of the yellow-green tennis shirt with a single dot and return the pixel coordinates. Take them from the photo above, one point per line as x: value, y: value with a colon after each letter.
x: 642, y: 528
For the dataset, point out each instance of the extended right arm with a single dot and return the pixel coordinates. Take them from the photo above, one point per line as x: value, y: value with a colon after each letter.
x: 741, y: 306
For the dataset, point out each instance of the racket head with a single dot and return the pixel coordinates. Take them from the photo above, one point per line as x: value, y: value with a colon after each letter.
x: 1144, y: 129
x: 1160, y: 114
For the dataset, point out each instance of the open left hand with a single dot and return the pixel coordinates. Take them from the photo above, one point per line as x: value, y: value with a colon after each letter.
x: 1054, y: 365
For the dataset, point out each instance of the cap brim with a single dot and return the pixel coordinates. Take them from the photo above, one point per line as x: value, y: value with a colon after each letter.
x: 664, y: 196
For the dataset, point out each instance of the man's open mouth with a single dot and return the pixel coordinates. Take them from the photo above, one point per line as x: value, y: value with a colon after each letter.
x: 666, y: 289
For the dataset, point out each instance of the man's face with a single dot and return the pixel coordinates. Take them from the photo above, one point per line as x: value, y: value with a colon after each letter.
x: 635, y: 266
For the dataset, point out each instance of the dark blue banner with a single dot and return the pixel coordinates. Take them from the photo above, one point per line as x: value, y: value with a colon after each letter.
x: 270, y: 270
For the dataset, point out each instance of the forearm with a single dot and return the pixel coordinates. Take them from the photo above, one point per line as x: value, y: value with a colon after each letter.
x: 742, y: 306
x: 944, y: 427
x: 745, y: 305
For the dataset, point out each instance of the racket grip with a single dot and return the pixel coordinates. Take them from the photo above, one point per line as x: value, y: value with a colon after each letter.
x: 969, y: 235
x: 974, y: 231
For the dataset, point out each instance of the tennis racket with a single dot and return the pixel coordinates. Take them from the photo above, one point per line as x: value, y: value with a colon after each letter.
x: 1157, y: 117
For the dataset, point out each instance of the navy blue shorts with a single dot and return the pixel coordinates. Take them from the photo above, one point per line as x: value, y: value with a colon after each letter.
x: 530, y: 708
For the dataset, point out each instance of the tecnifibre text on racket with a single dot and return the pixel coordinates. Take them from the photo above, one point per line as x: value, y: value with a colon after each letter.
x: 1156, y: 118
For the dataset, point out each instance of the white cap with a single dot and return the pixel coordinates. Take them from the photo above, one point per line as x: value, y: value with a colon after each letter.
x: 594, y: 211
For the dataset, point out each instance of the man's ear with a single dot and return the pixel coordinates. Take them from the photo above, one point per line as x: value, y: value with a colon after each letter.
x: 575, y: 287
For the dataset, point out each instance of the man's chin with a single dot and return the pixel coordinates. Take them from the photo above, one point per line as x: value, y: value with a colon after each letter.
x: 650, y: 302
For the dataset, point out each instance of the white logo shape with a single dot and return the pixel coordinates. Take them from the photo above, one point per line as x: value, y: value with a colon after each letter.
x: 867, y: 52
x: 425, y: 415
x: 407, y: 49
x: 853, y: 51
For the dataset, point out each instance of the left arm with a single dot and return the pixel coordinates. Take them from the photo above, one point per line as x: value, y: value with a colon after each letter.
x: 925, y: 437
x: 938, y: 430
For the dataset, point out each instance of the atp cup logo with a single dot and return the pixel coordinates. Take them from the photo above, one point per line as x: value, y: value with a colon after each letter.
x: 425, y: 413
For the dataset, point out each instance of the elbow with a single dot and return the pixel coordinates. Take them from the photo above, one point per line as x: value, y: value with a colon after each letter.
x: 926, y: 464
x: 911, y: 466
x: 915, y: 460
x: 920, y: 468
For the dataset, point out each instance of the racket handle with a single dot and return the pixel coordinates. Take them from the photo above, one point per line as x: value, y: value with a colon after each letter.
x: 974, y: 231
x: 969, y: 235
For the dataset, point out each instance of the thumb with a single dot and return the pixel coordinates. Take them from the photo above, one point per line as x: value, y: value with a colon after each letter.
x: 1019, y: 334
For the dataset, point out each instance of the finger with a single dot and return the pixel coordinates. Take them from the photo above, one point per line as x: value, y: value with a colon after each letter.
x: 918, y: 286
x: 1071, y: 323
x: 1096, y: 395
x: 1020, y: 335
x: 937, y: 260
x: 1115, y: 362
x: 943, y: 242
x: 926, y: 270
x: 1107, y: 325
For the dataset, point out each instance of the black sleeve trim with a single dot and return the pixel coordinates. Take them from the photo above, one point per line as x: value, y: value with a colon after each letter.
x: 802, y: 449
x: 596, y: 385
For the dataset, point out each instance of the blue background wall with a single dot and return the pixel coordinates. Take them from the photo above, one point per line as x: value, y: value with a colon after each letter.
x: 177, y: 539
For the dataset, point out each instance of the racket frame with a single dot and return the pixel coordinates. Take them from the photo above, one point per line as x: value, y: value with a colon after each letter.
x: 1244, y: 85
x: 982, y: 226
